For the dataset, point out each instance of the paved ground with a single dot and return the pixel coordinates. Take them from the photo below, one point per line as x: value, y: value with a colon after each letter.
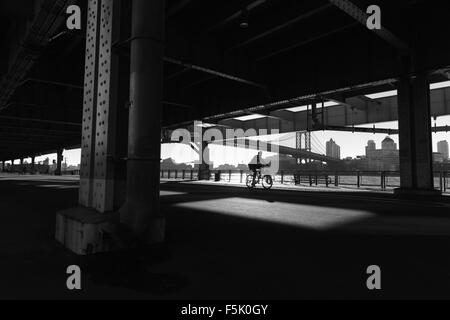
x: 231, y: 243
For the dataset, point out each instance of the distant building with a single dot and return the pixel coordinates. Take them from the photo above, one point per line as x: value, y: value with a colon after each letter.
x: 388, y: 144
x: 242, y: 166
x: 442, y: 148
x: 226, y: 167
x: 386, y: 158
x: 170, y: 164
x: 333, y: 150
x: 438, y: 157
x: 370, y: 146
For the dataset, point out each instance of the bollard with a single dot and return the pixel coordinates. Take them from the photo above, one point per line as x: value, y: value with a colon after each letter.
x: 310, y: 180
x: 336, y: 179
x: 229, y: 180
x: 282, y: 177
x: 358, y: 179
x: 176, y: 174
x: 326, y: 180
x: 242, y: 175
x: 445, y: 181
x: 218, y: 176
x: 297, y: 179
x: 381, y: 180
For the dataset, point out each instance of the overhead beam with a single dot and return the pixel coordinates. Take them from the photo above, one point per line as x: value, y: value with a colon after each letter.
x: 304, y: 42
x: 373, y: 130
x: 179, y: 105
x: 215, y: 73
x: 33, y: 105
x: 33, y: 135
x: 306, y: 99
x: 41, y: 130
x: 50, y: 82
x: 177, y: 74
x: 41, y: 120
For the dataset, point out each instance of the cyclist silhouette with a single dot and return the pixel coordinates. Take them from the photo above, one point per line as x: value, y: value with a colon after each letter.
x: 256, y: 164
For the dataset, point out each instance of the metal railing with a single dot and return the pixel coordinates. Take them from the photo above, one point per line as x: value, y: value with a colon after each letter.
x: 382, y: 180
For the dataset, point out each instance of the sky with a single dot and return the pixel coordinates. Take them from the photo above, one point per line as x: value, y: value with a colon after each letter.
x: 352, y: 144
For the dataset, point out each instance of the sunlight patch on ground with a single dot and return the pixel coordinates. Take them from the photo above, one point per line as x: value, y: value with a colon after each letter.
x: 56, y: 186
x: 297, y: 215
x: 170, y: 193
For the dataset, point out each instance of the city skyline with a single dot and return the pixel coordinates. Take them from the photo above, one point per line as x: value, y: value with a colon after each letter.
x: 351, y: 145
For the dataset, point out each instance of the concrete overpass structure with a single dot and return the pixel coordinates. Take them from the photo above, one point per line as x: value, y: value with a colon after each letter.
x: 138, y: 67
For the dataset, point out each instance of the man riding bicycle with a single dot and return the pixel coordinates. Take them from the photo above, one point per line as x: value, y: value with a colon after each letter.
x: 256, y: 164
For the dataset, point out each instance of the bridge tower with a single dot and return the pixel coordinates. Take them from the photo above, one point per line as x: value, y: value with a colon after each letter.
x: 303, y: 142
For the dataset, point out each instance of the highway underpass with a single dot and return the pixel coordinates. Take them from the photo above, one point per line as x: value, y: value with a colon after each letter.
x: 139, y: 70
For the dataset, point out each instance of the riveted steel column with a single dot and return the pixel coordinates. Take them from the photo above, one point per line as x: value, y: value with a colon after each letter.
x: 103, y: 183
x: 89, y: 105
x: 141, y: 210
x: 103, y: 136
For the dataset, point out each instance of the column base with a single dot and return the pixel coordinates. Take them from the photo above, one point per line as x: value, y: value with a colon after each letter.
x: 417, y: 192
x: 140, y: 226
x: 85, y: 231
x: 204, y: 175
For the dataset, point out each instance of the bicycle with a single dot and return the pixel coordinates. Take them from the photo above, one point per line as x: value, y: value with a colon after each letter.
x: 267, y: 181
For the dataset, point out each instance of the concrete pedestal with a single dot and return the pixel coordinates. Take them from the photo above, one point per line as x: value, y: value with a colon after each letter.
x: 84, y: 231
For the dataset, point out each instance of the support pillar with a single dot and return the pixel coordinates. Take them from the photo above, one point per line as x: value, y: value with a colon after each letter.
x: 416, y: 162
x: 59, y: 160
x: 204, y: 172
x: 33, y: 162
x: 141, y: 211
x: 88, y: 228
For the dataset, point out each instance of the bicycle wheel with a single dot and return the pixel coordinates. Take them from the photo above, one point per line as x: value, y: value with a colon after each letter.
x: 249, y: 181
x: 267, y: 182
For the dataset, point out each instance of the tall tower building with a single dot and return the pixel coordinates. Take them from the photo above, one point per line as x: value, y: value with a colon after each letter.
x: 442, y: 147
x: 333, y: 150
x: 370, y: 146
